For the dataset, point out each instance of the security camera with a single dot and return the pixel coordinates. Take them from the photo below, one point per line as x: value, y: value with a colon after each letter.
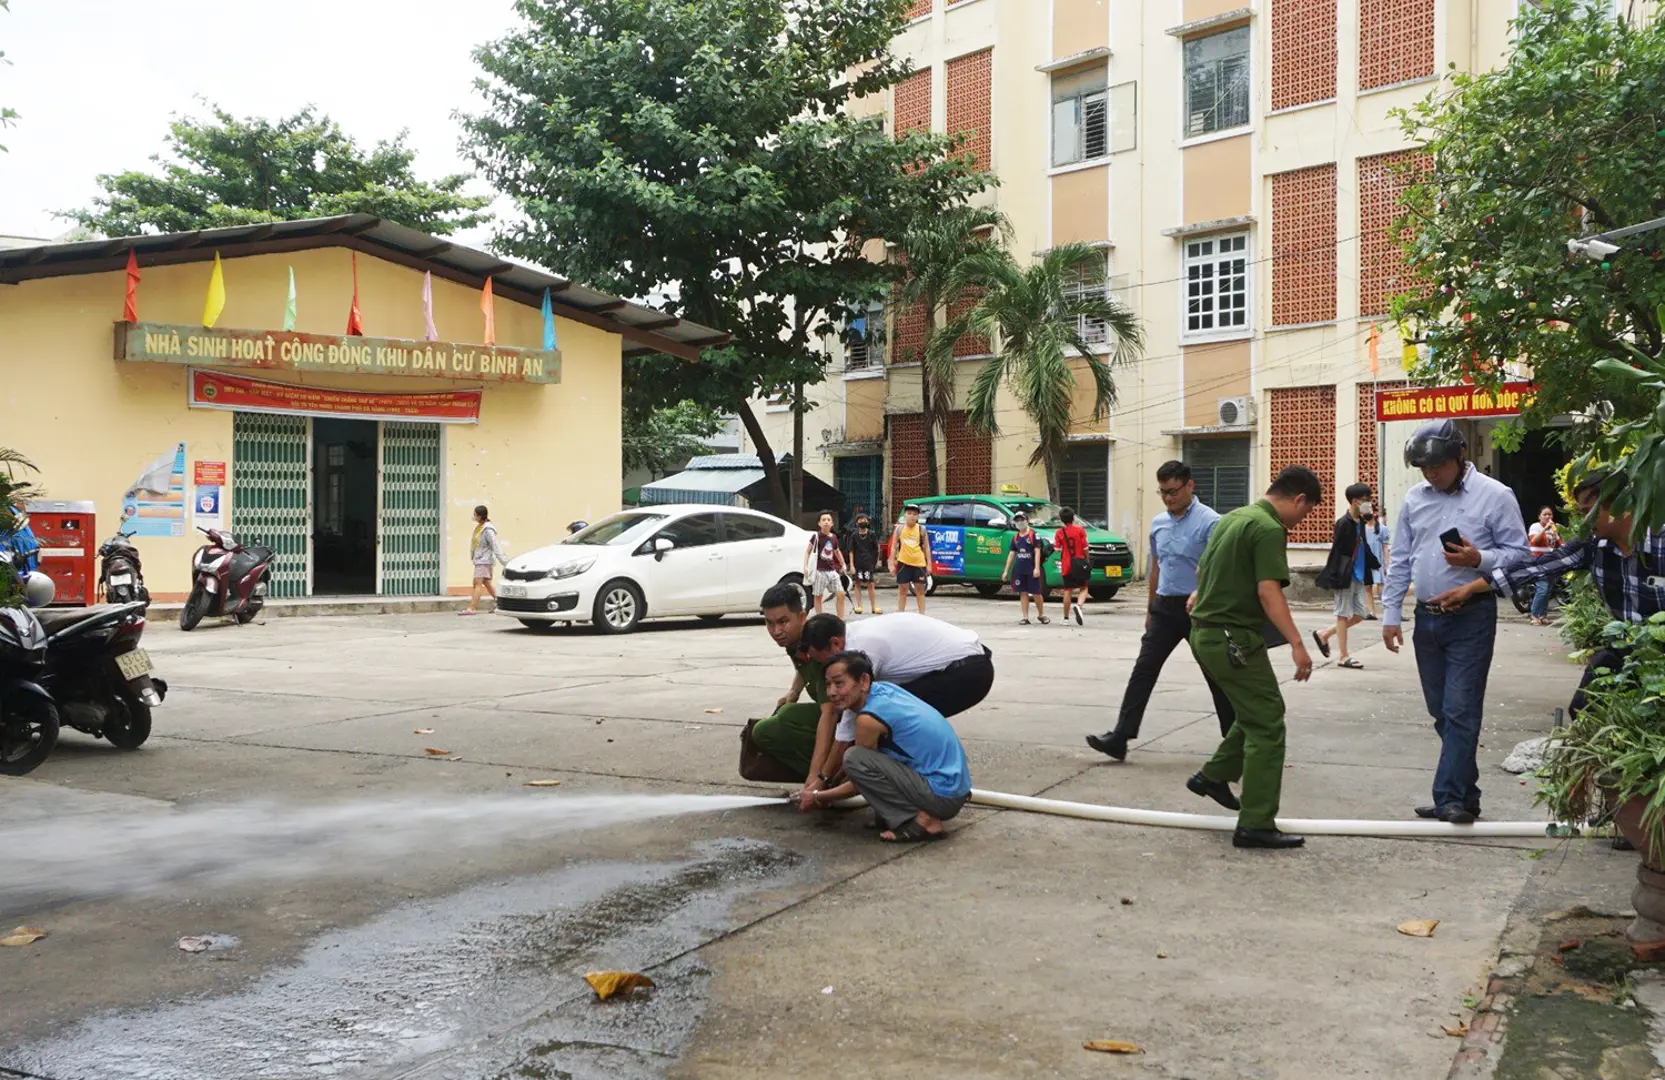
x: 1592, y: 248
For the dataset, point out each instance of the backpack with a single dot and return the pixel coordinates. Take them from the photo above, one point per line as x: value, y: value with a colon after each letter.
x: 1046, y: 547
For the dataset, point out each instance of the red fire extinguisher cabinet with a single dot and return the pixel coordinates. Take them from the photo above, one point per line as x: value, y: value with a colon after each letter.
x: 67, y: 532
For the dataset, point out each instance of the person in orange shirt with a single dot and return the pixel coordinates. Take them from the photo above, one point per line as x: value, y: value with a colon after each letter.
x: 910, y: 551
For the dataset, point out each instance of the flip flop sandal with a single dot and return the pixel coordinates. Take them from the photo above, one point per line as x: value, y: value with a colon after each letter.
x: 912, y: 832
x: 1350, y: 662
x: 1323, y: 647
x: 1023, y: 622
x: 1044, y: 621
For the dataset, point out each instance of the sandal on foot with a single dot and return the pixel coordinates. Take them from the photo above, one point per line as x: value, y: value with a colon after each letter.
x: 1323, y: 646
x: 1350, y: 662
x: 912, y: 832
x: 1023, y: 622
x: 1044, y: 621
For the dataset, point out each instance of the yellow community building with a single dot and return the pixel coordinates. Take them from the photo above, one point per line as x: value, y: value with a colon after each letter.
x: 359, y: 457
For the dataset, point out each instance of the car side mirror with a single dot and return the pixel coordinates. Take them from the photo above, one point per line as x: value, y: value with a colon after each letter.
x: 997, y: 522
x: 660, y: 546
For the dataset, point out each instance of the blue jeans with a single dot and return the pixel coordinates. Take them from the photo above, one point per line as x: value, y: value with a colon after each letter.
x: 1453, y: 658
x: 1540, y: 597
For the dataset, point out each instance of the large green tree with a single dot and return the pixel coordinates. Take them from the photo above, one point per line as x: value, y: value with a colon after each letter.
x: 660, y: 439
x: 930, y: 252
x: 229, y: 170
x: 1036, y: 317
x: 1565, y: 139
x: 702, y: 152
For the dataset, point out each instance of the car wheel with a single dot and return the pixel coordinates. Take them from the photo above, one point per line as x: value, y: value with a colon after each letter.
x: 618, y: 607
x: 1103, y: 592
x: 931, y: 587
x: 798, y: 580
x: 988, y: 588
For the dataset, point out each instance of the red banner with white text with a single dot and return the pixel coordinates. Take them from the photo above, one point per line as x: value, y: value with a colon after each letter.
x: 217, y: 390
x: 1452, y: 402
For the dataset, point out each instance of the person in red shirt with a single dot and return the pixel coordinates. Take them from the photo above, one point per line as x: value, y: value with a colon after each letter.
x: 1071, y: 542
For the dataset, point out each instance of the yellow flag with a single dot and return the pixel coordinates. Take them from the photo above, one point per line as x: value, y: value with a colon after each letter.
x: 215, y: 301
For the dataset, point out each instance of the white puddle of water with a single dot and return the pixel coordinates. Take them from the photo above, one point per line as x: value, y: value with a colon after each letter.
x: 104, y: 855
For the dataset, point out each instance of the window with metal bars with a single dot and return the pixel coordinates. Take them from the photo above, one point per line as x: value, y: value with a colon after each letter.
x: 1217, y: 82
x: 1217, y: 284
x: 1221, y: 469
x: 864, y: 348
x: 1091, y: 284
x: 1080, y: 117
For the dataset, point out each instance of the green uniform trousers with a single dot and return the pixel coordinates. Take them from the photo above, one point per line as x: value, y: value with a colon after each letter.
x: 1253, y: 750
x: 787, y: 737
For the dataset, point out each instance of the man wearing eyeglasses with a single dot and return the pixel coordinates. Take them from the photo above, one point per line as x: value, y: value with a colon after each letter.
x: 1177, y: 539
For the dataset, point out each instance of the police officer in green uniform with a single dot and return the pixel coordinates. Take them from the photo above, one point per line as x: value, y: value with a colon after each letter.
x: 781, y: 748
x: 1240, y: 583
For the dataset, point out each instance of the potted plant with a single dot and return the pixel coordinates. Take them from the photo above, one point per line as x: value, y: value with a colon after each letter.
x: 14, y: 492
x: 1609, y: 763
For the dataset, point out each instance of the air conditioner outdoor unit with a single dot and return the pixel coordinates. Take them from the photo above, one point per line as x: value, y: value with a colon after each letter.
x: 1236, y: 411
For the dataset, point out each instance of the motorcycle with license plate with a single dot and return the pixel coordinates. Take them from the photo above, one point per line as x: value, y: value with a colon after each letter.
x: 28, y: 716
x: 120, y: 574
x: 228, y: 579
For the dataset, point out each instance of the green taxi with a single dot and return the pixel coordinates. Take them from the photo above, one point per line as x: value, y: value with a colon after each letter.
x: 972, y: 534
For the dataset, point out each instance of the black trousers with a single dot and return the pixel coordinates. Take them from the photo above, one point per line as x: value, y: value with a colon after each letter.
x: 1610, y: 659
x: 1169, y: 627
x: 957, y: 687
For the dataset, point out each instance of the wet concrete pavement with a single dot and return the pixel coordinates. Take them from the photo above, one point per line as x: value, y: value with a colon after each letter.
x: 780, y: 942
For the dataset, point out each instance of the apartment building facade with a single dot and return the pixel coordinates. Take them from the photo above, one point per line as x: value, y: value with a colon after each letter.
x: 1238, y: 163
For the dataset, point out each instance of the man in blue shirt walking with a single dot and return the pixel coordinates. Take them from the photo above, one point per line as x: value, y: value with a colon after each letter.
x: 1177, y: 539
x: 906, y: 762
x: 1456, y: 527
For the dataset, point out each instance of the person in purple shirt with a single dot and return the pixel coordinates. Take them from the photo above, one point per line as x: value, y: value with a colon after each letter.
x: 1456, y: 527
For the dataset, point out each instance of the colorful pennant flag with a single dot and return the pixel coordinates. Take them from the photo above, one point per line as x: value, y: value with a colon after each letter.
x: 214, y: 302
x: 428, y: 305
x: 548, y: 321
x: 488, y: 307
x: 130, y: 307
x: 355, y: 319
x: 1375, y: 349
x: 289, y: 304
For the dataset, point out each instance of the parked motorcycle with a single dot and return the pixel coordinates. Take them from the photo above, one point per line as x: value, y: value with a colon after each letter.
x: 98, y: 676
x: 28, y: 717
x: 119, y: 572
x: 1558, y: 595
x: 227, y: 579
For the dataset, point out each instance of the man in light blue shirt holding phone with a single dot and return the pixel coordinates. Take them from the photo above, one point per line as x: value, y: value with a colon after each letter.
x: 1456, y: 526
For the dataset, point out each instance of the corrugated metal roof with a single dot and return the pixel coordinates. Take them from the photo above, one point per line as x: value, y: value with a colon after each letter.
x: 645, y: 329
x: 725, y: 461
x: 689, y: 485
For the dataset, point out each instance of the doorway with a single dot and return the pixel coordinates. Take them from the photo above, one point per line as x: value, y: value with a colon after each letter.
x: 1530, y: 472
x: 343, y: 507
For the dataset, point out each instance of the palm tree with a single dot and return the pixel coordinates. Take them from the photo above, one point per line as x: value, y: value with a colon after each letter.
x: 1035, y: 317
x: 931, y: 252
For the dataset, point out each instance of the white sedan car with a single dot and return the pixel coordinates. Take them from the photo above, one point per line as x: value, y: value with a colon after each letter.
x: 682, y: 559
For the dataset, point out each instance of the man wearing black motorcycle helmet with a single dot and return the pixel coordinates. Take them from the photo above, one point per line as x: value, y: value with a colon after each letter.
x: 1456, y: 528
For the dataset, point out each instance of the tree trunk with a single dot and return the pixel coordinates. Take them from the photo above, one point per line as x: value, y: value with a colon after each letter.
x: 765, y: 457
x: 1051, y: 464
x: 797, y: 453
x: 928, y: 414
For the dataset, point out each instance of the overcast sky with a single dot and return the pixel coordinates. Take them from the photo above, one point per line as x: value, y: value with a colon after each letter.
x: 97, y: 81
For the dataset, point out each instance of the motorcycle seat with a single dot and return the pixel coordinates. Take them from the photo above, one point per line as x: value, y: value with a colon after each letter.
x: 53, y: 620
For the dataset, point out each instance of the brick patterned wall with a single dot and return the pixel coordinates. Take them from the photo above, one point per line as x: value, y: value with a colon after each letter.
x: 907, y: 461
x: 970, y: 88
x: 1368, y: 473
x: 920, y: 7
x: 907, y: 335
x: 1396, y: 41
x: 968, y: 458
x: 910, y: 106
x: 1382, y: 179
x: 970, y: 344
x: 1303, y: 246
x: 1303, y: 433
x: 1303, y: 52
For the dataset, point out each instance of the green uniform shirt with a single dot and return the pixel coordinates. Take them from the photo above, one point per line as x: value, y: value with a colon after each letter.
x: 815, y: 678
x: 1249, y: 545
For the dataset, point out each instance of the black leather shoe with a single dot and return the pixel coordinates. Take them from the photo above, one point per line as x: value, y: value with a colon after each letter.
x: 1434, y: 811
x: 1113, y: 745
x: 1220, y: 793
x: 1621, y: 844
x: 1456, y: 815
x: 1266, y: 838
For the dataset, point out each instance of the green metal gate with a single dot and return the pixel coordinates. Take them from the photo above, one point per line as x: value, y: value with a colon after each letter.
x: 269, y: 484
x: 408, y: 529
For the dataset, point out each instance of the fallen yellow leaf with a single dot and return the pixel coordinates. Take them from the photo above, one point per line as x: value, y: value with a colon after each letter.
x: 423, y: 731
x: 1419, y: 927
x: 434, y: 752
x: 543, y: 783
x: 1456, y: 1032
x: 23, y: 935
x: 1112, y: 1046
x: 607, y: 983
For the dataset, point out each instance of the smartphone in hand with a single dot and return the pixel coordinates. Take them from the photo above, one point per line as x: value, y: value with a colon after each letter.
x: 1451, y: 540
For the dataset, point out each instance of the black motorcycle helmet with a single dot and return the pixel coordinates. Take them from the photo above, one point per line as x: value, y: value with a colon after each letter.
x: 1433, y: 444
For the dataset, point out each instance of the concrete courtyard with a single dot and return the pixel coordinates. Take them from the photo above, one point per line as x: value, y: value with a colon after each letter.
x: 782, y: 943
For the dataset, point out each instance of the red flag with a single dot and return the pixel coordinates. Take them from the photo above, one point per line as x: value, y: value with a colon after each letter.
x: 130, y: 308
x: 355, y: 320
x: 489, y: 308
